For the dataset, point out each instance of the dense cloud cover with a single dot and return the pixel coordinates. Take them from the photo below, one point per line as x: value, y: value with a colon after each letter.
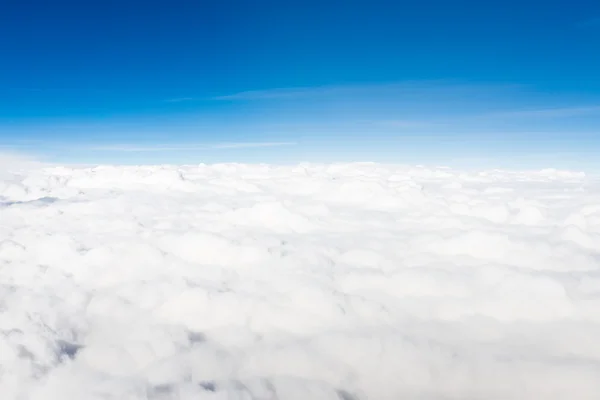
x: 345, y: 281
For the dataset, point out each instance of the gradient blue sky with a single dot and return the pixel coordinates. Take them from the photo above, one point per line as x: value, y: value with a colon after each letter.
x: 465, y: 83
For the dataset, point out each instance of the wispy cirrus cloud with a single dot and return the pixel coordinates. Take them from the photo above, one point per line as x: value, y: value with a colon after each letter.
x: 280, y: 93
x: 134, y: 148
x: 427, y: 104
x: 239, y: 145
x: 180, y: 99
x: 556, y: 112
x: 387, y: 88
x: 25, y: 145
x: 457, y: 121
x: 405, y: 124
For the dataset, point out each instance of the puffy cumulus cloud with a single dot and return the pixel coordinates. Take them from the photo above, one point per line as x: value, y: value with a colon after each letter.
x: 344, y: 281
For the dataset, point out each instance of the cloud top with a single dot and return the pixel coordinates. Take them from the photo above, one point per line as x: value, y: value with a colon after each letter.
x: 327, y: 282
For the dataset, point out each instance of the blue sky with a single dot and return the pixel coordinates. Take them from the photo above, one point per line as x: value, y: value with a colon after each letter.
x: 507, y: 84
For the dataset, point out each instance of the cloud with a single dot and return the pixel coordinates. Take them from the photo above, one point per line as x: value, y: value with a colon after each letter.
x: 336, y: 281
x: 183, y: 147
x: 456, y: 122
x: 405, y: 124
x: 279, y: 93
x: 396, y: 88
x: 557, y: 112
x: 180, y: 99
x: 251, y: 144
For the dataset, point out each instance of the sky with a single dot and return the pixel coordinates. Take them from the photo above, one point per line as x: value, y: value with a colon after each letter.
x: 459, y: 83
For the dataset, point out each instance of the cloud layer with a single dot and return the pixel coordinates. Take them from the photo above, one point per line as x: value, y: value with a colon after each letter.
x: 183, y: 147
x: 339, y: 281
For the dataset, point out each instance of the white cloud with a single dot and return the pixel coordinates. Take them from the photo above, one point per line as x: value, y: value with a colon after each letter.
x: 404, y: 88
x: 338, y: 281
x: 556, y: 112
x: 182, y: 147
x: 180, y: 99
x: 280, y: 93
x: 406, y: 124
x: 234, y: 145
